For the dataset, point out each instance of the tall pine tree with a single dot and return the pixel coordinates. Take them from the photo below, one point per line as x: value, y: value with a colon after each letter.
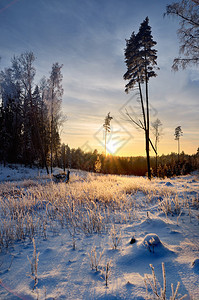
x: 140, y: 58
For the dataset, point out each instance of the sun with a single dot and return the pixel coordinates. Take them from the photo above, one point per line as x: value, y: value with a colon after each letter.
x: 111, y: 147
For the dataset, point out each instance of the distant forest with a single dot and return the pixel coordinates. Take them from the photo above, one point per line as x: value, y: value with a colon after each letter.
x: 168, y: 165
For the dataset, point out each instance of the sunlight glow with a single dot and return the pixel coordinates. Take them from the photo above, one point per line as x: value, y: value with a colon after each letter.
x: 111, y: 147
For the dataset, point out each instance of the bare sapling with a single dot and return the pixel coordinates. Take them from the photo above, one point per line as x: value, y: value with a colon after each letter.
x: 161, y: 293
x: 72, y: 233
x: 189, y: 213
x: 115, y: 237
x: 34, y: 265
x: 107, y: 271
x: 95, y: 259
x: 178, y: 217
x: 177, y: 205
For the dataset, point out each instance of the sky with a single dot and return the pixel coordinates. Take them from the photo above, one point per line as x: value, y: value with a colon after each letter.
x: 88, y: 38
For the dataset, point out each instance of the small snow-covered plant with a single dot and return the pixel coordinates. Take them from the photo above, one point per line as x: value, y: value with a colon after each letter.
x: 195, y: 201
x: 150, y: 245
x: 161, y: 292
x: 165, y: 206
x: 95, y: 259
x: 42, y: 294
x: 177, y: 205
x: 72, y: 233
x: 115, y: 237
x: 151, y: 241
x: 153, y: 284
x: 44, y: 227
x: 34, y: 265
x: 146, y: 244
x: 189, y: 213
x: 107, y: 271
x: 92, y: 219
x: 178, y: 217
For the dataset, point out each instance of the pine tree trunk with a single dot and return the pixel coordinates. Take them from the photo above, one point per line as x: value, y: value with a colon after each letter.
x: 52, y: 128
x: 51, y: 147
x: 105, y: 141
x: 147, y: 130
x: 156, y: 165
x: 142, y: 105
x: 147, y: 154
x: 156, y: 157
x: 64, y: 157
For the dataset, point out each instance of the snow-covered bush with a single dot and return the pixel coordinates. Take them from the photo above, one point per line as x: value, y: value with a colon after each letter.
x: 158, y: 291
x: 95, y: 258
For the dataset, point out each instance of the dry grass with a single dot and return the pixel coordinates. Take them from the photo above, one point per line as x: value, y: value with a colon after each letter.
x: 88, y: 203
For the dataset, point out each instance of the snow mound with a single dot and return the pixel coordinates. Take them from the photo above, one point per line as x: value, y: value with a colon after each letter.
x: 150, y: 224
x: 154, y: 245
x: 195, y: 264
x: 152, y: 239
x: 149, y: 249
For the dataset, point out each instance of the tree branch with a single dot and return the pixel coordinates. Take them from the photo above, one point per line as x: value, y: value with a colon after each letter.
x: 153, y: 146
x: 137, y: 124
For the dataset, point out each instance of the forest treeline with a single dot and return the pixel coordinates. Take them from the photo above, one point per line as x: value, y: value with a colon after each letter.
x: 168, y: 165
x: 30, y: 113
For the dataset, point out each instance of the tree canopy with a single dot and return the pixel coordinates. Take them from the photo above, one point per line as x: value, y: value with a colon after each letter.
x: 140, y: 57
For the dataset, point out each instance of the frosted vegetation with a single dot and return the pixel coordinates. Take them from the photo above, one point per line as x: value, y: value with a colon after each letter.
x: 83, y: 230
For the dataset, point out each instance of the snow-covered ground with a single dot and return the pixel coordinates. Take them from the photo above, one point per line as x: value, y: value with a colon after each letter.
x: 127, y: 224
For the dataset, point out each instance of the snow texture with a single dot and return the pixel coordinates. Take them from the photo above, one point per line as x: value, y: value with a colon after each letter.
x: 124, y: 207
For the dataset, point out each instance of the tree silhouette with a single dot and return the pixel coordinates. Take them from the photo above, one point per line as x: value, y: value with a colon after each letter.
x: 178, y: 133
x: 55, y: 93
x: 157, y: 132
x: 107, y: 127
x: 140, y: 58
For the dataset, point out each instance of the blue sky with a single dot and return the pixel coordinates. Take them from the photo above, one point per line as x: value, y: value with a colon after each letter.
x: 88, y: 38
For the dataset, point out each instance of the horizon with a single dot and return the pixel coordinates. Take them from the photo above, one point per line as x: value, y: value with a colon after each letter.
x: 134, y: 156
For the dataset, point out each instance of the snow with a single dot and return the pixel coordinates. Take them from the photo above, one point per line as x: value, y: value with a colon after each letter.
x: 99, y: 213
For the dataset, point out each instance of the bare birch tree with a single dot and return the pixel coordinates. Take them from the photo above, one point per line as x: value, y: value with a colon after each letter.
x: 188, y: 33
x: 156, y: 130
x: 55, y: 93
